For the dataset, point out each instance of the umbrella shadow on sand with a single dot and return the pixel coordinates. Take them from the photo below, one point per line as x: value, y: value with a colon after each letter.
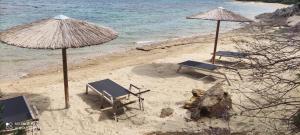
x: 231, y: 63
x: 41, y: 102
x: 192, y: 73
x: 94, y: 101
x: 169, y: 70
x: 157, y: 70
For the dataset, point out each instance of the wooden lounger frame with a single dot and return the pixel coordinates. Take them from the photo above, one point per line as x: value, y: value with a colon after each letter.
x: 113, y: 101
x: 212, y: 71
x: 33, y: 123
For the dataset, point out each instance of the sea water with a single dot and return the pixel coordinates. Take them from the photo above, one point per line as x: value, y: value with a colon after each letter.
x: 136, y: 21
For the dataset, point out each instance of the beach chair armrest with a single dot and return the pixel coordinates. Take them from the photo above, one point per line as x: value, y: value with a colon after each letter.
x: 142, y: 92
x: 35, y: 110
x: 138, y: 94
x: 133, y: 86
x: 128, y: 103
x: 35, y: 113
x: 107, y: 96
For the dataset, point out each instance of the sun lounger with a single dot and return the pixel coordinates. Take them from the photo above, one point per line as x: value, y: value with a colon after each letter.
x: 230, y: 54
x: 205, y: 67
x: 17, y: 114
x: 113, y: 92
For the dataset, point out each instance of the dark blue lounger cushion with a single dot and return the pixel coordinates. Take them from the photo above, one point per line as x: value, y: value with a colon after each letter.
x: 199, y: 65
x: 112, y: 88
x: 15, y: 110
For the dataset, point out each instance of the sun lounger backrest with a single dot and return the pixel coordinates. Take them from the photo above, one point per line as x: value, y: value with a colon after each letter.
x: 197, y: 64
x: 231, y: 54
x: 111, y: 88
x: 15, y: 110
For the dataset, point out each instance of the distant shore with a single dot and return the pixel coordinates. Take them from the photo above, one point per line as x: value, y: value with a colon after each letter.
x: 273, y: 1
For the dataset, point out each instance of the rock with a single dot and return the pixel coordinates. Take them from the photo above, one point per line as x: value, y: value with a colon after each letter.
x: 192, y: 103
x: 217, y: 131
x: 293, y: 20
x: 165, y: 112
x: 280, y: 16
x: 198, y: 92
x: 287, y: 12
x: 215, y: 102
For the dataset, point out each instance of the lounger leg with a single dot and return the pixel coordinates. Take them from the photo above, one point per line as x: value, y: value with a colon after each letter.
x: 227, y: 80
x: 115, y: 111
x: 86, y: 89
x: 179, y: 69
x: 129, y: 90
x: 102, y: 101
x: 140, y: 105
x: 239, y: 75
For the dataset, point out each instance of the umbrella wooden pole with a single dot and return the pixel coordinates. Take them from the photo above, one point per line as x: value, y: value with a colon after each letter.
x: 216, y: 42
x: 65, y: 71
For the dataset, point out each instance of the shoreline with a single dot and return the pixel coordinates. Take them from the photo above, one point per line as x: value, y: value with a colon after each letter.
x: 115, y: 56
x: 54, y: 66
x: 273, y: 4
x: 90, y: 59
x: 153, y: 69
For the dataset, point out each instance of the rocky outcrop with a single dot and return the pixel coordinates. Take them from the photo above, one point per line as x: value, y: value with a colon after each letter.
x: 215, y: 102
x: 280, y: 16
x: 294, y: 21
x: 287, y: 12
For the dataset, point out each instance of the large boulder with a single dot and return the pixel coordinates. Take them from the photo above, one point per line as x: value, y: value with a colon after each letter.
x: 215, y: 102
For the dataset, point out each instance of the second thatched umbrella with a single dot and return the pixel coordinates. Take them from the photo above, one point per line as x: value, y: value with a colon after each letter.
x: 219, y: 14
x: 60, y: 32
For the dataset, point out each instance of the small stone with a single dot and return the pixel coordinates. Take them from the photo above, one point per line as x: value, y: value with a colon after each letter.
x: 192, y: 103
x: 165, y: 112
x: 198, y: 92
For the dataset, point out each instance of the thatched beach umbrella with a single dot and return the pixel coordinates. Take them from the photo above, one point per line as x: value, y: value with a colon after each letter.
x: 219, y: 14
x: 60, y: 32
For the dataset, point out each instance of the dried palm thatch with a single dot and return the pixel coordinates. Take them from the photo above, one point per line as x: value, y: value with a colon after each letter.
x: 56, y: 33
x: 60, y: 32
x: 220, y: 14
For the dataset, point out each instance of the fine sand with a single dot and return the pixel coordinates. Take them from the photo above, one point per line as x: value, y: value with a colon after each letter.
x: 154, y: 70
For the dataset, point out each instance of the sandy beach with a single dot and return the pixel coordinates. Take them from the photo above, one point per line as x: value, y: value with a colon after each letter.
x: 154, y: 69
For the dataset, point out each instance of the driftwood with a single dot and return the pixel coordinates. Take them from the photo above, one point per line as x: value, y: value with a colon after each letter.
x: 215, y: 102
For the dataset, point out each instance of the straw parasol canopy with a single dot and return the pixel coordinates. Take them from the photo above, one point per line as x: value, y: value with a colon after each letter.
x: 59, y: 32
x: 219, y: 14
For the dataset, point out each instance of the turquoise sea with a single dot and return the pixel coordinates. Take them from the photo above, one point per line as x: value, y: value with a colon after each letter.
x: 136, y: 21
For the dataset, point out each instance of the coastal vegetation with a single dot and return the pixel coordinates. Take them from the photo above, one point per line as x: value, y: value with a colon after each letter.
x: 275, y: 1
x: 274, y: 62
